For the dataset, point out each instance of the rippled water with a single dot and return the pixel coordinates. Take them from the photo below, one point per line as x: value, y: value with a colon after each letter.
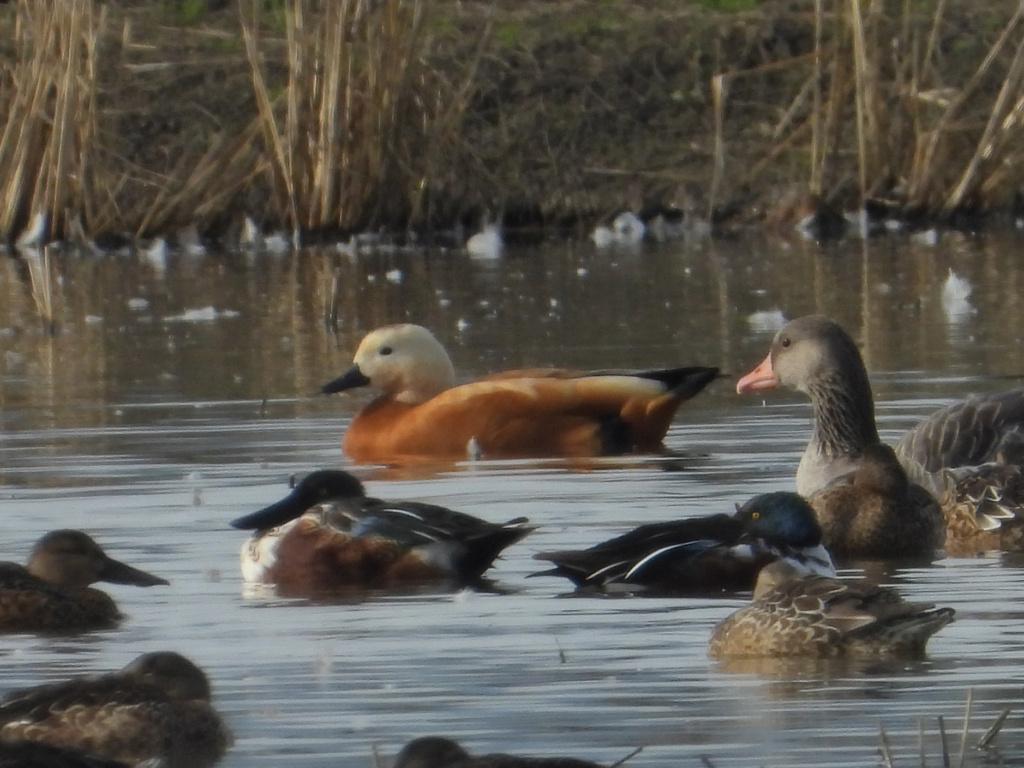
x: 175, y: 398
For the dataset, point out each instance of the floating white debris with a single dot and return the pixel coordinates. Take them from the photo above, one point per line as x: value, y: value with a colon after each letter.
x: 34, y: 233
x: 955, y: 294
x: 668, y: 226
x: 394, y: 276
x: 203, y: 315
x: 462, y: 325
x: 925, y: 237
x: 189, y: 241
x: 486, y: 244
x: 766, y: 321
x: 277, y: 244
x: 93, y: 319
x: 155, y: 253
x: 138, y: 305
x: 603, y: 237
x: 628, y: 228
x: 250, y: 236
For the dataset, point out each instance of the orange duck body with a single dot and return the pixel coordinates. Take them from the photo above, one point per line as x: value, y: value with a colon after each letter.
x: 534, y: 413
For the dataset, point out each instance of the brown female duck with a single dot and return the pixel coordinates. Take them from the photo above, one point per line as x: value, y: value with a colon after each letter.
x: 156, y: 708
x: 861, y: 494
x: 34, y: 754
x: 440, y: 752
x: 819, y: 617
x: 52, y: 594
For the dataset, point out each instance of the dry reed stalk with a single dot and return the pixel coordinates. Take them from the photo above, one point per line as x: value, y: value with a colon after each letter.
x: 48, y: 136
x: 199, y: 188
x: 347, y: 131
x: 40, y: 276
x: 912, y: 129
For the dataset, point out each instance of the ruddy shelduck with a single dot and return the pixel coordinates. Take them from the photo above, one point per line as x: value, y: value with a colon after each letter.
x: 526, y: 413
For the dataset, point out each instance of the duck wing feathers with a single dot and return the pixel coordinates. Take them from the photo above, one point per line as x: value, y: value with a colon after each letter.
x: 688, y: 555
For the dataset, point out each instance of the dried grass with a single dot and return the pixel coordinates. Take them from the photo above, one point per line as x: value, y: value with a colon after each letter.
x: 47, y: 142
x: 927, y: 135
x: 352, y: 131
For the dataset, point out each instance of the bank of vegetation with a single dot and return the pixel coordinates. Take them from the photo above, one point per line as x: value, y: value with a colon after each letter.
x: 342, y: 115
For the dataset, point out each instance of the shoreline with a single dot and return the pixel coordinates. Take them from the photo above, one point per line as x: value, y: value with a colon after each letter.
x: 551, y: 117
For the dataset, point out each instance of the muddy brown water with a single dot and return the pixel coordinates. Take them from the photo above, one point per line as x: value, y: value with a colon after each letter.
x: 177, y: 396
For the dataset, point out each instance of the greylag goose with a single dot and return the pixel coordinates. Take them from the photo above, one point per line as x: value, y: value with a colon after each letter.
x: 866, y: 505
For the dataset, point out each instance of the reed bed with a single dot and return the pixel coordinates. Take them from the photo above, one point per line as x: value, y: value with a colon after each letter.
x: 347, y: 114
x: 351, y: 131
x: 48, y: 97
x: 885, y: 88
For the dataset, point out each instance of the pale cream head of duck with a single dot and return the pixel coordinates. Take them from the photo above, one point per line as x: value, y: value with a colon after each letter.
x: 405, y: 361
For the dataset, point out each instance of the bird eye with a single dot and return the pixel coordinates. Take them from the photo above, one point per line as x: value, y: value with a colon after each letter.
x: 386, y: 350
x: 784, y: 342
x: 755, y: 515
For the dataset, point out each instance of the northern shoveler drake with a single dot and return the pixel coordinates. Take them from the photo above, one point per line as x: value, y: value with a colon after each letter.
x: 34, y: 754
x: 971, y: 456
x: 703, y: 554
x: 440, y: 752
x: 53, y: 594
x: 819, y: 617
x: 156, y: 708
x: 528, y: 413
x: 327, y: 535
x: 864, y: 501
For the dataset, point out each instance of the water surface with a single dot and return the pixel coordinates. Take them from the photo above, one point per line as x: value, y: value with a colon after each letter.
x: 174, y: 397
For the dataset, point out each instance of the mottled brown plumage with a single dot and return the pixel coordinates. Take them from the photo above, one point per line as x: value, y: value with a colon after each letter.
x: 539, y: 412
x: 814, y: 616
x: 865, y: 503
x: 52, y: 594
x: 34, y: 754
x: 157, y: 707
x: 971, y: 456
x: 440, y: 752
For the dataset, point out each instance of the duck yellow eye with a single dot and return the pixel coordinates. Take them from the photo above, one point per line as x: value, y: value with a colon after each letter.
x: 755, y: 515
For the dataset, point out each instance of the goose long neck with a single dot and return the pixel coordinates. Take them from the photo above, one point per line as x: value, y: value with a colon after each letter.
x: 844, y: 415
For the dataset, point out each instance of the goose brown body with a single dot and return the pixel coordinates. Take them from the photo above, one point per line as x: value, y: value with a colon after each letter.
x: 157, y: 707
x: 864, y: 500
x: 422, y: 414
